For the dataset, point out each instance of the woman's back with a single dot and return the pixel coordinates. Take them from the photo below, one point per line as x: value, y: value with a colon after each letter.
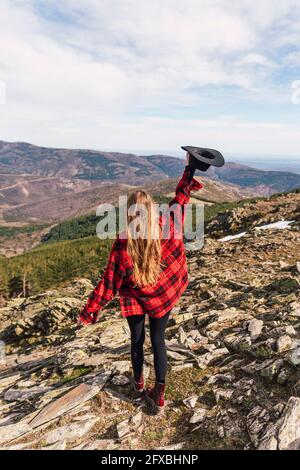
x: 156, y: 298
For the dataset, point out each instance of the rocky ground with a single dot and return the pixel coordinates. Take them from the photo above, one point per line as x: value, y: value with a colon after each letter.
x: 233, y: 345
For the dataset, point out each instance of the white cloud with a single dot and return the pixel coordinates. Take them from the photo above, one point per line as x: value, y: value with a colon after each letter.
x: 82, y: 79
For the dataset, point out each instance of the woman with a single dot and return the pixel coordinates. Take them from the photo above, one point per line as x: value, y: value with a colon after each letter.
x: 149, y: 271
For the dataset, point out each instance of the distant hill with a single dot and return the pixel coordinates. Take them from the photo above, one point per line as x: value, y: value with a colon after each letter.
x: 40, y: 185
x: 55, y: 199
x: 75, y: 209
x: 52, y: 264
x: 21, y: 158
x: 261, y: 181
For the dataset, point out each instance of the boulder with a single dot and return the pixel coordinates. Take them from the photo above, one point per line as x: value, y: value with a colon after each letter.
x: 285, y: 433
x: 199, y: 415
x: 69, y: 432
x: 13, y: 431
x: 284, y: 343
x: 75, y: 397
x: 255, y: 328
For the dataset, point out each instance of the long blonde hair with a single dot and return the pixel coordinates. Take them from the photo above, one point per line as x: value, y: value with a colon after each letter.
x: 144, y: 247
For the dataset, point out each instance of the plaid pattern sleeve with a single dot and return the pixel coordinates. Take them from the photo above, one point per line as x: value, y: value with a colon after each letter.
x: 182, y: 197
x: 106, y: 289
x: 185, y: 186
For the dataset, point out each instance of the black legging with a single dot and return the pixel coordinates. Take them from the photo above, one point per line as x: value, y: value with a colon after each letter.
x: 157, y: 335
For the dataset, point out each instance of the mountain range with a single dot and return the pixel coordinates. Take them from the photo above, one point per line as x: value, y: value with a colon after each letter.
x: 24, y: 158
x: 91, y: 165
x: 42, y: 186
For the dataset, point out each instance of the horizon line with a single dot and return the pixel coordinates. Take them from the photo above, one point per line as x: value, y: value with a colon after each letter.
x: 144, y: 152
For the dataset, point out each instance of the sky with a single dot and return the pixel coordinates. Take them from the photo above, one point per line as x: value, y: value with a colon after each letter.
x: 150, y: 76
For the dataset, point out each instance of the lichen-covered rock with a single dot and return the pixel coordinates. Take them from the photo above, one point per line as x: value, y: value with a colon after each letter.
x: 69, y: 432
x: 289, y: 429
x: 295, y: 309
x: 285, y: 433
x: 272, y: 370
x: 255, y: 328
x: 284, y: 343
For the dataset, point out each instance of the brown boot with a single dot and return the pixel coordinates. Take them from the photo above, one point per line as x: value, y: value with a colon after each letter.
x: 155, y: 397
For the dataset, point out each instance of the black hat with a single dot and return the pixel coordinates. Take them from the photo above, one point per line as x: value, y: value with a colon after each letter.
x: 200, y: 155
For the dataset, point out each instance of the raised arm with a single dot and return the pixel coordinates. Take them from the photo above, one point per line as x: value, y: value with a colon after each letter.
x: 106, y: 289
x: 172, y: 221
x: 185, y: 186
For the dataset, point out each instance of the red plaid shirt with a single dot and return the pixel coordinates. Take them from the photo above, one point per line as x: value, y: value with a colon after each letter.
x: 155, y: 300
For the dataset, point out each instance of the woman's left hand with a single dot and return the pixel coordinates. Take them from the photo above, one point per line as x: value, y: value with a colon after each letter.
x: 80, y: 323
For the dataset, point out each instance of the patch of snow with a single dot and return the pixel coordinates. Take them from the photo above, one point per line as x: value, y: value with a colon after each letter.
x: 282, y: 224
x: 232, y: 237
